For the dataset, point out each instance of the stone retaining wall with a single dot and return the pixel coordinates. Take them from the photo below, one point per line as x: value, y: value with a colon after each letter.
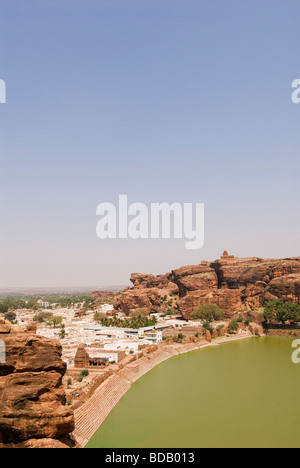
x: 287, y: 333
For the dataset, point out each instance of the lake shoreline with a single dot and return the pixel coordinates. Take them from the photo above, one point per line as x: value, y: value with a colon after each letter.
x: 91, y: 415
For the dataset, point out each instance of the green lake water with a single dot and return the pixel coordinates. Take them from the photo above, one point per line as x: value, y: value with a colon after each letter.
x: 240, y: 394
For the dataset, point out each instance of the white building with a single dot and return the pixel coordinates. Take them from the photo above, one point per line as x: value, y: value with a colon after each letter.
x: 154, y: 337
x: 43, y: 304
x: 129, y: 346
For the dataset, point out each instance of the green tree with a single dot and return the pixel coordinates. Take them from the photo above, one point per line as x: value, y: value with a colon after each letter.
x: 62, y: 333
x: 278, y: 310
x: 54, y: 321
x: 180, y: 338
x: 135, y: 322
x: 10, y: 316
x: 207, y: 326
x: 208, y: 312
x: 42, y: 317
x: 233, y: 326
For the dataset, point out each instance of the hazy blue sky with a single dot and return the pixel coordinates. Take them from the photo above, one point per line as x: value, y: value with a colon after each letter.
x: 162, y: 100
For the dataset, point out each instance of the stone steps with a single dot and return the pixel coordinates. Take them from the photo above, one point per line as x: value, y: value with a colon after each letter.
x: 90, y: 416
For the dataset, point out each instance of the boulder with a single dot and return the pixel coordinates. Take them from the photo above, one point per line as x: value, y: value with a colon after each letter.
x: 130, y: 300
x: 256, y: 330
x: 195, y: 278
x: 30, y: 353
x: 5, y: 328
x: 208, y: 336
x: 33, y: 400
x: 286, y: 287
x: 32, y: 407
x: 151, y: 281
x: 39, y: 444
x: 172, y: 288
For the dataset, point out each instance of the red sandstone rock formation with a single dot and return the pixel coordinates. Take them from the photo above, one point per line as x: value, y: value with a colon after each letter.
x: 234, y: 284
x: 142, y: 298
x: 39, y: 444
x: 195, y: 278
x: 240, y: 272
x: 256, y: 330
x: 287, y: 287
x: 33, y: 400
x: 228, y: 300
x: 172, y: 288
x: 208, y: 336
x: 150, y: 281
x: 5, y: 327
x: 244, y: 284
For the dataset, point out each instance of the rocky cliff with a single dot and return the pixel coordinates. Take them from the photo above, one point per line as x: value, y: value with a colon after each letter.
x: 33, y: 411
x: 235, y: 284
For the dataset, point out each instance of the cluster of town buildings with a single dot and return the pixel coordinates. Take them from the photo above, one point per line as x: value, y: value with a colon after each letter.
x: 86, y: 343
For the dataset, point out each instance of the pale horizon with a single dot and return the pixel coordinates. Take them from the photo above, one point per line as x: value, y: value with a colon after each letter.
x: 116, y: 285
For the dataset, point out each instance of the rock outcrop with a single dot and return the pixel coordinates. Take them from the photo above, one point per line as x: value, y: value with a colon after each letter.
x: 33, y: 411
x: 234, y: 284
x: 195, y: 278
x: 287, y: 287
x: 228, y: 300
x: 151, y: 281
x: 138, y: 298
x: 244, y: 284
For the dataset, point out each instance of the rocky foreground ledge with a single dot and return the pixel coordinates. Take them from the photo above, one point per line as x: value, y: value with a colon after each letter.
x: 33, y: 411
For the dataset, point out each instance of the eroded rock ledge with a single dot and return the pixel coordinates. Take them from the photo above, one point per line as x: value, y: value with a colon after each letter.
x: 33, y: 411
x: 234, y: 284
